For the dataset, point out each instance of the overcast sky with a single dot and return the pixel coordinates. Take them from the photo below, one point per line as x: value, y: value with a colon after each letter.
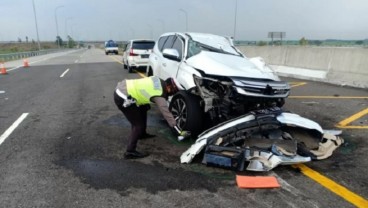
x: 126, y: 19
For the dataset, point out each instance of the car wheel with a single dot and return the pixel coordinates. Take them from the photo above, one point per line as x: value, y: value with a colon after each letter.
x: 149, y: 72
x: 125, y: 66
x: 187, y: 112
x: 106, y: 53
x: 130, y: 69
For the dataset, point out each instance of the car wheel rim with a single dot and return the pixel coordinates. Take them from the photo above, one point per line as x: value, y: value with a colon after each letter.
x: 179, y: 111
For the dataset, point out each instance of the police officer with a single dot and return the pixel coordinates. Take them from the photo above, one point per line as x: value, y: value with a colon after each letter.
x: 133, y: 97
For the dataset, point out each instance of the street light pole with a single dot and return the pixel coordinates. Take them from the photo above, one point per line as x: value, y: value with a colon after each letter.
x: 66, y: 23
x: 66, y: 29
x: 35, y: 16
x: 236, y: 11
x: 186, y: 19
x: 57, y: 27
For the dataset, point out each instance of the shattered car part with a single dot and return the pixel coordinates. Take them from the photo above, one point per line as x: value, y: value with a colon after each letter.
x: 266, y: 161
x: 327, y: 146
x: 264, y: 139
x: 230, y: 158
x: 332, y: 131
x: 288, y: 146
x: 201, y: 142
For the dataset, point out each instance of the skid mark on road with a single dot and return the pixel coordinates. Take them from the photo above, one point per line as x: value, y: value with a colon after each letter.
x: 125, y: 176
x: 332, y: 186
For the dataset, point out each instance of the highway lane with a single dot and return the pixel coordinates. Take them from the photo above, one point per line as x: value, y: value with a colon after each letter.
x: 68, y: 151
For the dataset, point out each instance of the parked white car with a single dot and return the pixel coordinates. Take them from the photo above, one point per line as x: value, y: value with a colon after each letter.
x: 136, y: 54
x: 221, y: 83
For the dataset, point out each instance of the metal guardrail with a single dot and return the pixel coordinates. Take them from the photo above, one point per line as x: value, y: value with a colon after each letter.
x: 21, y: 55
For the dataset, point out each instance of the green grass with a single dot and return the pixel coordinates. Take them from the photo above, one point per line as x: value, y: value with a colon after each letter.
x: 15, y: 47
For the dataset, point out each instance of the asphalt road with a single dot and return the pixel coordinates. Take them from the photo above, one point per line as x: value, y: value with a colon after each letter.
x: 68, y: 149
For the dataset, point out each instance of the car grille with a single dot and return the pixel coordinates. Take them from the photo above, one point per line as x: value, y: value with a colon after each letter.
x: 266, y: 88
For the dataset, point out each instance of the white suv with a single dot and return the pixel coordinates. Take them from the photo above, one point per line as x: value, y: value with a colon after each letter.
x: 220, y: 82
x: 136, y: 54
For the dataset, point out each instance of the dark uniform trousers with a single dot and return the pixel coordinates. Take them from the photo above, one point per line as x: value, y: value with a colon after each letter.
x: 137, y: 116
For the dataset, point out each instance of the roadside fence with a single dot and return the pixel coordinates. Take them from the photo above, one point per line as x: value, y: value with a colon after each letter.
x: 22, y: 55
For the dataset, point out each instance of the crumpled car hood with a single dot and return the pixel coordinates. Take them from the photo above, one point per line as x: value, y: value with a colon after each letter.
x: 229, y: 65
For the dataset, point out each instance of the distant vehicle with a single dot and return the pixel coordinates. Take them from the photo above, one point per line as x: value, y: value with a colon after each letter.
x: 221, y: 83
x: 111, y: 47
x: 136, y: 54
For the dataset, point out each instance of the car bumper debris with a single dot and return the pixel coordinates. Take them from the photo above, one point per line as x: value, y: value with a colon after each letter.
x: 262, y: 140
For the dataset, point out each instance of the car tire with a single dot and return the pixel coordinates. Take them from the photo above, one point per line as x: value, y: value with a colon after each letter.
x: 187, y: 112
x: 106, y: 53
x: 125, y: 66
x: 130, y: 69
x: 149, y: 72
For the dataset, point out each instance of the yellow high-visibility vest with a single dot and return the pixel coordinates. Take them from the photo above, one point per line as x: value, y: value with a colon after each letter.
x: 143, y: 89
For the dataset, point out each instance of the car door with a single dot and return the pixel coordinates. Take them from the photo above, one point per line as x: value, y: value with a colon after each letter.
x: 170, y: 67
x: 126, y: 53
x: 161, y: 60
x: 154, y: 58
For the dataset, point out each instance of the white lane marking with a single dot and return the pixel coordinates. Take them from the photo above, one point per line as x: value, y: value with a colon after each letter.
x: 12, y: 127
x: 2, y: 91
x: 66, y: 71
x: 76, y: 61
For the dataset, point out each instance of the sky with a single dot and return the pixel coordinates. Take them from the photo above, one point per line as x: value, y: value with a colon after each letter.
x: 128, y: 19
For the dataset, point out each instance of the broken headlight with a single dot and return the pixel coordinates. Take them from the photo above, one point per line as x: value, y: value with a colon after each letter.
x: 212, y: 85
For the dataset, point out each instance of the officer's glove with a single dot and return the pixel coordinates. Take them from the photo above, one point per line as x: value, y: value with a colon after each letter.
x: 181, y: 134
x: 185, y: 134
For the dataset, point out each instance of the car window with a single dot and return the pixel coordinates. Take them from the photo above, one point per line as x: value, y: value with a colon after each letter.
x: 178, y: 45
x: 169, y: 42
x: 111, y: 44
x: 193, y: 48
x: 127, y: 47
x: 143, y: 45
x: 161, y: 42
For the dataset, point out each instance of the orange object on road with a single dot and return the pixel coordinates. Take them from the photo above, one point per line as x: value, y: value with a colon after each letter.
x: 257, y: 181
x: 25, y: 63
x: 3, y: 69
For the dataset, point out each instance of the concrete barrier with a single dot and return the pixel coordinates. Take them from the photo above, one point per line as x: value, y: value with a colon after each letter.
x: 337, y: 65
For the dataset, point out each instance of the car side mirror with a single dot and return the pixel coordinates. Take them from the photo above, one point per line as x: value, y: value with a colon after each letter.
x: 171, y: 54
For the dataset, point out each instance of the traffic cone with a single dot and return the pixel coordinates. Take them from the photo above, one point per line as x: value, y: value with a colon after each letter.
x: 3, y: 70
x: 25, y: 63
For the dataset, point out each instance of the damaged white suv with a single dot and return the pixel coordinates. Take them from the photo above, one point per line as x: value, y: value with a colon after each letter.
x: 221, y: 83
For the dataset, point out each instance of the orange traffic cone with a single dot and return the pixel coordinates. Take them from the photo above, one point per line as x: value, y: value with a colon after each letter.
x: 25, y: 63
x: 3, y: 70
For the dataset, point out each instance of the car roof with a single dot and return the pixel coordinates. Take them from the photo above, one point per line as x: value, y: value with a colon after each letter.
x: 216, y: 41
x: 136, y: 40
x: 195, y: 35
